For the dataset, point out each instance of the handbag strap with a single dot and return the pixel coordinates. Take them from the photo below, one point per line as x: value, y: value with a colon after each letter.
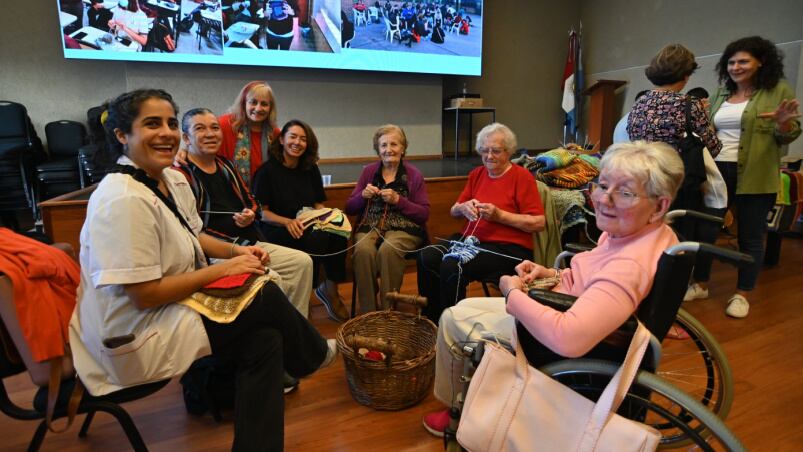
x: 614, y: 393
x: 53, y: 395
x: 689, y: 131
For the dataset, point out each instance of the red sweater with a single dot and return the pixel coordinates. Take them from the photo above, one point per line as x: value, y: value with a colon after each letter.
x: 230, y: 142
x: 45, y: 280
x: 515, y: 192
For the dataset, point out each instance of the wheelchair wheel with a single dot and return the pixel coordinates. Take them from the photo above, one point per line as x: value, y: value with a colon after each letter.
x: 698, y: 366
x: 678, y: 416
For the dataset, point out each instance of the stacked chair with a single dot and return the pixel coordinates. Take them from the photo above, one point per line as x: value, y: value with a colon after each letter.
x: 60, y: 174
x: 91, y: 173
x: 20, y: 149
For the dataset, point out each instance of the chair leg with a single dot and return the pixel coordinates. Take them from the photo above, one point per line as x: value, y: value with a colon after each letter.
x: 85, y: 426
x: 486, y: 289
x: 125, y: 421
x: 353, y: 296
x: 38, y: 437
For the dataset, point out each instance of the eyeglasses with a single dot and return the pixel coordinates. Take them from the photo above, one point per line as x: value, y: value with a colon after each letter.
x: 621, y: 197
x: 490, y: 151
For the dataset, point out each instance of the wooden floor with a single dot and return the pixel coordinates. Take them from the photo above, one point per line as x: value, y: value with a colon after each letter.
x: 765, y: 350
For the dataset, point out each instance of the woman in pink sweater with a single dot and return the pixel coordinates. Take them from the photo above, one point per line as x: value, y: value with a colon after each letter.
x: 636, y: 185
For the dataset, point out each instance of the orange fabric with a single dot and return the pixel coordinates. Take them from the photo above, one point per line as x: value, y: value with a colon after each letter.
x: 45, y: 280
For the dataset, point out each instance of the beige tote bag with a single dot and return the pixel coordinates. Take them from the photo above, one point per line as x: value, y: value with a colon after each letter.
x: 511, y: 406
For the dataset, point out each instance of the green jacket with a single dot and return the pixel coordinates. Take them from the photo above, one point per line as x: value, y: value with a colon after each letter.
x: 761, y: 145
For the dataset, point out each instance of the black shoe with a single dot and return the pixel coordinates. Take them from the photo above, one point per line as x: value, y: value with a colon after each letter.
x: 290, y: 383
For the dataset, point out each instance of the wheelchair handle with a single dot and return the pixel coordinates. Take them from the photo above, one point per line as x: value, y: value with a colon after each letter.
x: 671, y: 216
x: 725, y: 255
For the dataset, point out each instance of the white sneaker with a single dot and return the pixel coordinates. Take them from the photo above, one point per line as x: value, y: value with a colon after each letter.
x: 695, y: 292
x: 737, y: 307
x: 331, y: 353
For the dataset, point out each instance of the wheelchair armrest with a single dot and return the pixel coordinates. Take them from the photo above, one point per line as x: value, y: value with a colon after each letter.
x: 555, y: 300
x: 578, y: 247
x: 621, y: 337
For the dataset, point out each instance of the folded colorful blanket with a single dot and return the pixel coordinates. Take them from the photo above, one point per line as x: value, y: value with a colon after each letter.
x: 554, y: 159
x: 575, y: 175
x: 325, y: 219
x: 592, y: 159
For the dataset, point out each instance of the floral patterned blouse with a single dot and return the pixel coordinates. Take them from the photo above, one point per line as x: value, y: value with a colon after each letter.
x: 661, y: 116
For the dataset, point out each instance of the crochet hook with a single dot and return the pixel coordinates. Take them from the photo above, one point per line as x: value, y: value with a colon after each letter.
x: 219, y: 213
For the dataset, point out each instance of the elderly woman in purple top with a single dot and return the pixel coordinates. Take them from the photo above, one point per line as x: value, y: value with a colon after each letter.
x: 391, y: 201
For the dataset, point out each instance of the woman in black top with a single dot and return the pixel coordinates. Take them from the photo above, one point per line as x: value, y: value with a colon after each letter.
x: 288, y: 182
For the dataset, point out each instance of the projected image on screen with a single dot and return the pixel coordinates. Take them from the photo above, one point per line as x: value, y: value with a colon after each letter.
x: 436, y: 36
x: 280, y: 25
x: 154, y: 26
x: 439, y: 27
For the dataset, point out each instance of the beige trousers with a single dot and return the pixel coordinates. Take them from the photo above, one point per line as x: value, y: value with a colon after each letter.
x: 465, y: 322
x: 386, y: 261
x: 295, y: 271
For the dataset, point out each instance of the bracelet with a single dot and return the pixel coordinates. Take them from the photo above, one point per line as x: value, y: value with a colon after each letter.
x: 508, y: 293
x: 231, y: 250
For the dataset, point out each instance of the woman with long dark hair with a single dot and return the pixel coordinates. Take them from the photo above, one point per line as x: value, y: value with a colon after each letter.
x: 755, y: 114
x: 287, y: 183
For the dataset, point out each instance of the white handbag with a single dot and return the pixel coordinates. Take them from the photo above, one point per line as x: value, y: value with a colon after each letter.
x: 511, y: 406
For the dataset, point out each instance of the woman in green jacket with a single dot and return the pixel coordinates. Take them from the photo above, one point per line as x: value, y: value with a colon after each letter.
x: 755, y: 114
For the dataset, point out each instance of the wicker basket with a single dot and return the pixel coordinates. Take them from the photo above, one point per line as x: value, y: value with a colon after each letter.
x: 405, y: 377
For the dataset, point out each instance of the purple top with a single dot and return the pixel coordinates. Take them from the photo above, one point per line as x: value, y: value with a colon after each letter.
x: 414, y: 207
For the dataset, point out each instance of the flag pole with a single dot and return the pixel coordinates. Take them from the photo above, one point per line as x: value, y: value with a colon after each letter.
x: 578, y: 84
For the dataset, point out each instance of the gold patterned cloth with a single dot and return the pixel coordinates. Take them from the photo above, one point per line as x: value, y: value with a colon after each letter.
x: 225, y: 310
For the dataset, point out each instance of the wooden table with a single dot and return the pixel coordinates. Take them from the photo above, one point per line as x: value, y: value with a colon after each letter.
x: 63, y: 216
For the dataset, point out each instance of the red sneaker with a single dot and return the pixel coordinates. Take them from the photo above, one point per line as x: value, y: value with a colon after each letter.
x: 437, y: 422
x: 676, y: 332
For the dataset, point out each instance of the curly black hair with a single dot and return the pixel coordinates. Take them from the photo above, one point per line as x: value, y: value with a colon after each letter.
x: 770, y: 71
x: 120, y: 114
x: 310, y: 156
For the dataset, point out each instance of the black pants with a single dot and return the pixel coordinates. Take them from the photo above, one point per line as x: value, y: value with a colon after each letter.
x: 315, y: 242
x: 444, y: 282
x: 751, y: 217
x: 267, y: 338
x: 706, y: 232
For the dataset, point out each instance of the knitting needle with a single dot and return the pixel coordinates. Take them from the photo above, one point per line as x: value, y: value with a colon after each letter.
x: 220, y: 213
x: 482, y: 249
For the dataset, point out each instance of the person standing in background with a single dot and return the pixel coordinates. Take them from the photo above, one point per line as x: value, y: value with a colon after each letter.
x: 755, y: 113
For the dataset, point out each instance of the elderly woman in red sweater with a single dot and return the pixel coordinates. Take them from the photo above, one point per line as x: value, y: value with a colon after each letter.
x: 636, y: 185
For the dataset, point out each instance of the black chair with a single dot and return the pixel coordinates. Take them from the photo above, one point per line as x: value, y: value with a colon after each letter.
x: 60, y: 174
x: 18, y: 156
x: 90, y: 172
x: 11, y: 363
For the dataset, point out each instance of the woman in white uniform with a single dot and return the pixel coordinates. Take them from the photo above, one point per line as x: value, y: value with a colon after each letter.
x: 142, y: 250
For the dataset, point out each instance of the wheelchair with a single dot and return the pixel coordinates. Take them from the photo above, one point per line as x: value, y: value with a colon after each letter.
x: 690, y: 414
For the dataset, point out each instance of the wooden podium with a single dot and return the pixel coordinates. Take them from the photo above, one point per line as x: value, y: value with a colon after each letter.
x: 601, y: 119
